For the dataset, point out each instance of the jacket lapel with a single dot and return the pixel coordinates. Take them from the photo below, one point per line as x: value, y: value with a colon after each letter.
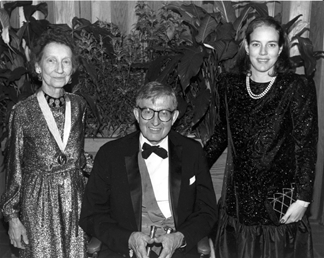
x: 175, y: 152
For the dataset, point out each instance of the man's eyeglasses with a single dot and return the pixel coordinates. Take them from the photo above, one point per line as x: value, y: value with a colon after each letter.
x: 148, y: 113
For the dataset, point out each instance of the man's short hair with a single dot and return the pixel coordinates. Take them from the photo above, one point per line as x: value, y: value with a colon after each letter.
x: 154, y: 90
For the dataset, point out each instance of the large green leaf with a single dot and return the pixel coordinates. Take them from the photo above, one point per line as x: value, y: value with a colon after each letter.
x: 186, y: 37
x: 306, y: 51
x: 170, y: 67
x: 79, y: 23
x: 261, y: 7
x: 190, y: 14
x: 10, y: 6
x: 248, y: 13
x: 155, y: 67
x: 5, y: 25
x: 34, y: 29
x: 318, y: 54
x: 225, y: 49
x: 190, y: 64
x: 225, y: 31
x: 224, y: 42
x: 201, y: 104
x: 238, y: 23
x: 26, y: 90
x: 12, y: 93
x: 17, y: 73
x: 207, y: 25
x: 207, y: 125
x: 29, y: 10
x: 31, y: 28
x: 5, y: 73
x: 227, y: 10
x: 289, y: 25
x: 91, y: 70
x: 182, y: 107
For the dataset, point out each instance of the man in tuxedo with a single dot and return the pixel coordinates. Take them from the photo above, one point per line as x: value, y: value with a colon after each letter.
x: 152, y: 177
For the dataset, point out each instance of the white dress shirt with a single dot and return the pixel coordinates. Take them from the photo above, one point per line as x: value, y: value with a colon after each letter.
x: 158, y: 170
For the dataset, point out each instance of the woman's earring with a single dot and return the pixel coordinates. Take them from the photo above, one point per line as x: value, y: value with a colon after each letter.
x: 39, y: 75
x: 70, y: 80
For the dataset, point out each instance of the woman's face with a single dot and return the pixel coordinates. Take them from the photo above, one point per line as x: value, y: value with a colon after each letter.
x: 263, y: 49
x: 55, y: 65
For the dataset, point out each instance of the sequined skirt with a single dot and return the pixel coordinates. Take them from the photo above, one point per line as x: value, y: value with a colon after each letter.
x: 51, y: 204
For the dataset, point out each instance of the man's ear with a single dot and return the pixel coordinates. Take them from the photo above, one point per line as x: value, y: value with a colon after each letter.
x: 136, y: 114
x: 175, y: 116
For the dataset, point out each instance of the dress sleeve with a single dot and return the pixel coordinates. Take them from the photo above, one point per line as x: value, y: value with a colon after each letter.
x: 305, y: 134
x: 218, y: 141
x: 10, y: 200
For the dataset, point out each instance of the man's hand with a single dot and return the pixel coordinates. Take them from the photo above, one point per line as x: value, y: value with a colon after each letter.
x: 294, y: 213
x: 138, y: 242
x: 16, y: 232
x: 170, y: 242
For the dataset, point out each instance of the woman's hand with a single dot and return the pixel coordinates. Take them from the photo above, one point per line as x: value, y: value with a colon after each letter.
x: 294, y: 213
x: 17, y: 231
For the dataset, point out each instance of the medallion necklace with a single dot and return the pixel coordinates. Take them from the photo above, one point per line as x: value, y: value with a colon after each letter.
x: 52, y: 126
x: 258, y: 96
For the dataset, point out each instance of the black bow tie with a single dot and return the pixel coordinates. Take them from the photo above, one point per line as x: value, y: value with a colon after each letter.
x: 148, y: 149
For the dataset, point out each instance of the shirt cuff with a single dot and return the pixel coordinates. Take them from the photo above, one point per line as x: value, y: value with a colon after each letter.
x: 303, y: 203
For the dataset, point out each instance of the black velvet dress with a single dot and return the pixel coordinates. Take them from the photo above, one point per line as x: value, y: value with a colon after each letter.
x: 271, y: 144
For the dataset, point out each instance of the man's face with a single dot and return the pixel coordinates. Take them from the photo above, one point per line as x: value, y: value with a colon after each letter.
x: 154, y: 130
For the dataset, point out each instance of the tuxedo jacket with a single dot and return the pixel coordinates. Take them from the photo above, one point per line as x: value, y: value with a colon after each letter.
x: 112, y: 203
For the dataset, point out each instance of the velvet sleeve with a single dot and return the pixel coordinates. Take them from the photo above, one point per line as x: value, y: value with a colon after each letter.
x: 305, y: 134
x: 218, y: 141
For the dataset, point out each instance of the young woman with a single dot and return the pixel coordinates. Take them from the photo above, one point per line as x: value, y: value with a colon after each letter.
x: 268, y: 121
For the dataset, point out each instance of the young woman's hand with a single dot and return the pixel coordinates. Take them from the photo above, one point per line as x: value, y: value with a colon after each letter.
x: 294, y: 213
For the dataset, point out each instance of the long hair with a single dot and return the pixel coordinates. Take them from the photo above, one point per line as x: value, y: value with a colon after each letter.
x: 283, y: 63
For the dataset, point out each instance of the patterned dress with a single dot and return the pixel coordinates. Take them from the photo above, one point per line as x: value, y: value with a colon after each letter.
x: 44, y: 194
x: 271, y: 145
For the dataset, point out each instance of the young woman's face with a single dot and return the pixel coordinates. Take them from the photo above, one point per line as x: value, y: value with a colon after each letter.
x: 263, y: 49
x: 55, y: 65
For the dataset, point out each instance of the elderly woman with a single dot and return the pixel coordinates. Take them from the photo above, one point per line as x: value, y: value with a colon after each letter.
x: 44, y: 183
x: 268, y: 121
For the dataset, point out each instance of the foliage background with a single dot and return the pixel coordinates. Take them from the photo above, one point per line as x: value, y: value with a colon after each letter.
x: 180, y: 44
